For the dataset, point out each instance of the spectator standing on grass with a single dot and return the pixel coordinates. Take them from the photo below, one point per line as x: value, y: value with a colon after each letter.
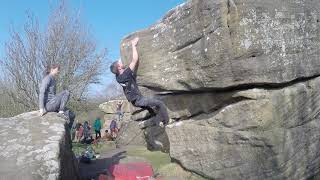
x: 86, y: 131
x: 113, y: 128
x: 97, y: 127
x: 80, y: 133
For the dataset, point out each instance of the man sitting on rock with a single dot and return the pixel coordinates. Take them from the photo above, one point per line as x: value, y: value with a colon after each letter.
x: 49, y: 101
x: 126, y: 78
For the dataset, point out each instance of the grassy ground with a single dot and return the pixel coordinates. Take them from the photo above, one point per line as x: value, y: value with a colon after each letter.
x: 99, y: 148
x: 161, y: 162
x: 157, y: 159
x: 174, y: 170
x: 78, y: 148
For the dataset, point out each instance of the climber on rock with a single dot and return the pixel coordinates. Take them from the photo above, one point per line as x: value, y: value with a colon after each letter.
x: 126, y: 78
x: 119, y: 111
x: 49, y: 101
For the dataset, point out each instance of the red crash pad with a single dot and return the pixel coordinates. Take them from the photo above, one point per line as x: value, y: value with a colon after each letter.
x: 131, y: 171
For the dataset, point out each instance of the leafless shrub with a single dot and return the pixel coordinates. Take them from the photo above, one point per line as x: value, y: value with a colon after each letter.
x: 65, y: 41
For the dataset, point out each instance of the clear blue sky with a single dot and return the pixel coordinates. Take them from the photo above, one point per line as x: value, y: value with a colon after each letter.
x: 109, y: 20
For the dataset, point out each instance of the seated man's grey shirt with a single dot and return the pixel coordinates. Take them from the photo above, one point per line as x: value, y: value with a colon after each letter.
x: 47, y: 90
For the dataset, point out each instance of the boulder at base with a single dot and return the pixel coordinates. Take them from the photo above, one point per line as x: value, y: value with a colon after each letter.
x: 36, y: 148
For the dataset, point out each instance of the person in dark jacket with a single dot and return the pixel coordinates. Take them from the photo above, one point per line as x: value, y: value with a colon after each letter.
x: 86, y: 130
x: 126, y: 78
x: 97, y: 127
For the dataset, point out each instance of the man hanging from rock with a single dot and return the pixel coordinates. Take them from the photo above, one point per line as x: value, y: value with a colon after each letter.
x: 49, y: 101
x: 126, y: 78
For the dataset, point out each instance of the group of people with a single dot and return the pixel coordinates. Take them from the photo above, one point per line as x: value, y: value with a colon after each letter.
x: 49, y: 101
x: 82, y: 132
x: 111, y: 133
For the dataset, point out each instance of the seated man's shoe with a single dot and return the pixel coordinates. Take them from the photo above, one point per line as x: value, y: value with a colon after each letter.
x: 62, y: 115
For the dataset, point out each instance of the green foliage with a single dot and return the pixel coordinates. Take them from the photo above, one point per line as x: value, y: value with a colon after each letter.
x: 86, y: 111
x: 98, y: 148
x: 156, y: 158
x: 8, y: 107
x: 161, y: 163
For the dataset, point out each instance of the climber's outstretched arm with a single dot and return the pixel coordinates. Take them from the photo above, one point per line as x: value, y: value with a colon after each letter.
x: 135, y: 56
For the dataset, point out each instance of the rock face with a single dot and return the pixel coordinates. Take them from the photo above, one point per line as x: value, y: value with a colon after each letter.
x: 216, y: 44
x: 270, y: 134
x: 110, y: 107
x: 130, y: 133
x: 128, y: 128
x: 241, y: 78
x: 36, y: 147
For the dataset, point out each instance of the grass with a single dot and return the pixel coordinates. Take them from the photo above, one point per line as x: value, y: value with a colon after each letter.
x: 161, y: 163
x: 174, y: 170
x: 99, y: 148
x: 156, y: 159
x: 78, y: 148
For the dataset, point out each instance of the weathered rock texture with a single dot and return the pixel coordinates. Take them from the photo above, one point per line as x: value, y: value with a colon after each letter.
x: 242, y: 79
x: 226, y: 43
x: 110, y: 107
x: 130, y: 134
x: 270, y: 134
x: 36, y: 147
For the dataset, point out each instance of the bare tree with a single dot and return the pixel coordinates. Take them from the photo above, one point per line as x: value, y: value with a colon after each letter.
x: 8, y: 107
x: 112, y: 91
x: 66, y: 41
